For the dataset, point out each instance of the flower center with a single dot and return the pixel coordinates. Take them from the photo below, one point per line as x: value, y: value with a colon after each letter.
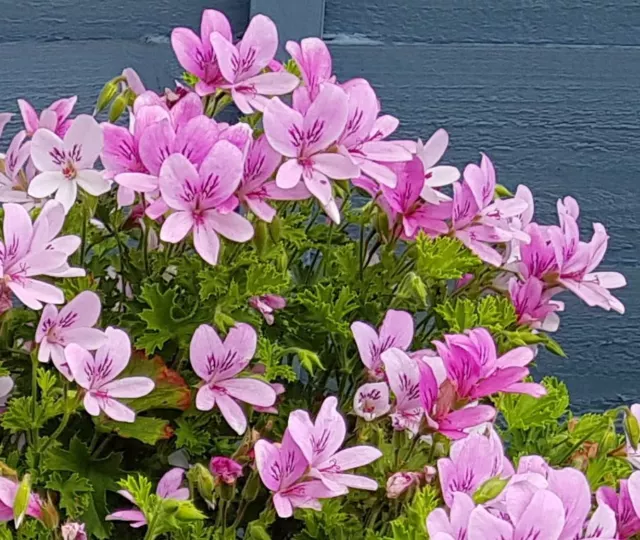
x: 69, y: 170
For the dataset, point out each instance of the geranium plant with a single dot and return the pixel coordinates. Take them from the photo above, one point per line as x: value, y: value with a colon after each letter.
x: 290, y: 326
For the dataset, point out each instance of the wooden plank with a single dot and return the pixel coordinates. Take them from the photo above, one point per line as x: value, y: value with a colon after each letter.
x: 144, y: 20
x: 564, y: 121
x: 296, y: 19
x: 494, y: 21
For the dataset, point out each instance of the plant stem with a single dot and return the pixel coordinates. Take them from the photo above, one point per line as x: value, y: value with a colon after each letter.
x: 145, y: 238
x: 34, y: 392
x: 63, y: 422
x: 83, y: 245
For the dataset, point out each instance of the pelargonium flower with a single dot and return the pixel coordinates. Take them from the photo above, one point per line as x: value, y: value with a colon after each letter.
x: 219, y: 363
x: 396, y: 331
x: 168, y: 488
x: 455, y: 524
x: 533, y: 304
x: 54, y: 117
x: 258, y: 187
x: 242, y: 64
x: 476, y: 371
x: 398, y: 483
x: 435, y: 176
x: 628, y: 521
x: 8, y: 491
x: 97, y: 375
x: 362, y: 138
x: 67, y: 164
x: 267, y: 304
x: 23, y: 257
x: 73, y: 324
x: 200, y: 200
x: 314, y: 62
x: 305, y: 140
x: 278, y: 388
x: 226, y: 469
x: 372, y: 401
x: 282, y: 470
x: 196, y: 54
x: 73, y: 531
x: 320, y: 443
x: 13, y: 179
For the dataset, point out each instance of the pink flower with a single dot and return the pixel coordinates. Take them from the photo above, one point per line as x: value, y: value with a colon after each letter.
x: 267, y: 304
x: 242, y: 65
x: 54, y: 117
x: 403, y: 202
x: 219, y: 363
x: 362, y: 138
x: 168, y: 488
x: 226, y: 469
x: 320, y: 443
x: 396, y: 331
x: 8, y: 491
x: 279, y: 389
x: 400, y: 482
x: 97, y: 375
x: 314, y: 62
x: 27, y: 253
x: 67, y: 164
x: 305, y: 141
x: 533, y: 304
x: 436, y: 176
x: 471, y: 462
x: 134, y: 82
x: 73, y: 531
x: 72, y: 325
x: 452, y: 526
x: 282, y: 469
x: 372, y: 401
x: 627, y: 519
x: 476, y: 371
x: 196, y: 54
x: 201, y: 200
x: 13, y: 180
x: 258, y: 187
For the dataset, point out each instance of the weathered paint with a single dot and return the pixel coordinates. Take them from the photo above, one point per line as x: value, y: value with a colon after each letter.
x: 548, y: 89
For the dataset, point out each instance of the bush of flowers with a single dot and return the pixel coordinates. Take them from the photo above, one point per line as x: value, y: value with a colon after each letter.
x: 290, y: 326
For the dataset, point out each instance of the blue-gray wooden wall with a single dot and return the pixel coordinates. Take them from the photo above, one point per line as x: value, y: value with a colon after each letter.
x: 548, y: 88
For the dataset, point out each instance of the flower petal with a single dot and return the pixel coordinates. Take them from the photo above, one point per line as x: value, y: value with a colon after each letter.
x: 232, y: 413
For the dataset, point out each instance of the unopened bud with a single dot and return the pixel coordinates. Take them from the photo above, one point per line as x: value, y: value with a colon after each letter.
x: 632, y: 429
x: 227, y: 491
x: 418, y: 286
x: 381, y: 223
x: 118, y: 106
x: 275, y: 229
x: 21, y: 502
x: 489, y: 490
x: 252, y: 487
x: 502, y: 192
x: 429, y: 473
x: 204, y: 482
x: 187, y: 512
x: 107, y: 94
x: 260, y: 237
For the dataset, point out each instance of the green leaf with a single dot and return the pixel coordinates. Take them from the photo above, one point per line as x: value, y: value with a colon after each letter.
x: 308, y: 359
x: 74, y: 492
x: 101, y: 473
x: 459, y: 315
x: 147, y: 429
x: 443, y: 258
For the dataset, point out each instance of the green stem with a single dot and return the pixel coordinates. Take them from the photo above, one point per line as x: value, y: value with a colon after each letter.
x: 65, y: 418
x: 34, y: 392
x: 145, y: 239
x: 241, y: 510
x: 84, y: 237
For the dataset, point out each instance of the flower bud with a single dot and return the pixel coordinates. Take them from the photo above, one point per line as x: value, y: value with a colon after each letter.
x: 400, y: 482
x: 502, y: 192
x: 118, y: 106
x: 632, y: 429
x: 188, y: 512
x: 260, y: 237
x: 225, y: 470
x: 429, y: 473
x: 204, y: 482
x: 21, y: 502
x: 251, y: 488
x: 107, y: 94
x: 490, y: 489
x: 50, y: 516
x: 227, y: 491
x: 73, y: 531
x: 275, y: 229
x: 381, y: 223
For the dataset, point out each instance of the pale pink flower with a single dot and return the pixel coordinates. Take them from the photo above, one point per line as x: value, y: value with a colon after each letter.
x: 97, y: 375
x: 134, y: 82
x: 398, y: 483
x: 196, y: 54
x: 314, y: 62
x: 436, y: 176
x: 372, y: 401
x: 279, y: 389
x: 73, y: 324
x: 267, y: 304
x: 8, y: 491
x: 282, y: 469
x: 168, y: 488
x: 201, y: 200
x: 14, y: 182
x: 227, y: 470
x: 54, y: 117
x: 67, y: 164
x: 219, y: 363
x: 320, y: 443
x: 396, y: 331
x: 73, y: 531
x: 454, y: 525
x: 242, y: 65
x: 23, y: 257
x: 305, y: 140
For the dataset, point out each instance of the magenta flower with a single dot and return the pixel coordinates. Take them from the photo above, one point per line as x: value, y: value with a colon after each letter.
x: 73, y: 531
x: 398, y: 483
x: 362, y: 140
x: 314, y: 62
x: 628, y: 522
x: 471, y: 462
x: 452, y: 526
x: 196, y: 54
x: 73, y: 324
x: 168, y: 488
x: 242, y: 65
x: 320, y: 443
x: 282, y: 469
x: 13, y: 180
x: 67, y: 164
x: 97, y: 375
x: 8, y: 490
x: 404, y: 203
x: 372, y: 401
x: 24, y: 256
x: 396, y: 331
x: 200, y: 200
x: 227, y: 470
x: 219, y: 363
x: 305, y: 140
x: 267, y: 304
x: 476, y: 371
x: 54, y: 117
x: 258, y: 187
x: 533, y: 304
